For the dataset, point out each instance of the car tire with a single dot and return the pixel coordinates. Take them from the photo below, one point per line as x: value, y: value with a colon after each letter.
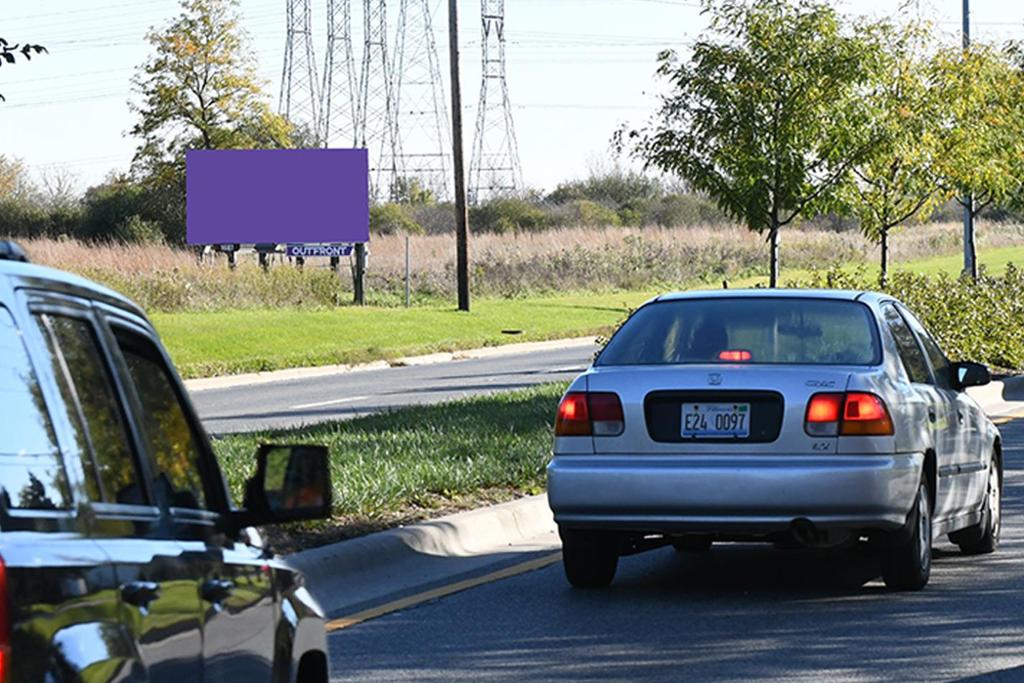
x: 589, y: 561
x: 983, y: 537
x: 692, y: 544
x: 906, y: 565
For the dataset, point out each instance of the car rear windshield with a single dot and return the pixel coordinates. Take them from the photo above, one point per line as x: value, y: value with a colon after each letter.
x: 798, y: 331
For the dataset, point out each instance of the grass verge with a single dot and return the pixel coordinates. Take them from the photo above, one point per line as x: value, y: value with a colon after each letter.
x: 232, y: 342
x: 415, y: 463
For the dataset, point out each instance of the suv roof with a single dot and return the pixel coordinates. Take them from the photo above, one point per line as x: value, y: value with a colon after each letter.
x: 23, y: 274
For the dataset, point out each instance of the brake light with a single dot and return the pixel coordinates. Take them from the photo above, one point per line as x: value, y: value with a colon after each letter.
x: 866, y: 415
x: 590, y: 414
x: 573, y: 416
x: 850, y: 414
x: 735, y: 356
x: 5, y: 626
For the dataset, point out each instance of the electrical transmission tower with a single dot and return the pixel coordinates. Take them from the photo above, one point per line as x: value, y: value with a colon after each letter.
x: 421, y: 124
x: 376, y: 127
x: 339, y: 113
x: 299, y: 97
x: 494, y: 169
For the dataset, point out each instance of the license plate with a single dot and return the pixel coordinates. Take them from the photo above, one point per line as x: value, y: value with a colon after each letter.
x: 716, y: 420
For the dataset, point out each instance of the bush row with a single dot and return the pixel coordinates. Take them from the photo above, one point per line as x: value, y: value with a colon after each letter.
x: 973, y: 320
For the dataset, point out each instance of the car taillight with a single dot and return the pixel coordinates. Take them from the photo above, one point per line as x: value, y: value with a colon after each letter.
x: 5, y: 626
x: 590, y: 414
x: 850, y: 414
x: 735, y: 356
x: 866, y: 415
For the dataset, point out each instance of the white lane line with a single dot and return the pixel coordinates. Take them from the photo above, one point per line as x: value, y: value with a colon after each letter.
x: 323, y: 404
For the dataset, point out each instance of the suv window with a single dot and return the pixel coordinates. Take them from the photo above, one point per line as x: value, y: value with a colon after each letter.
x: 168, y: 433
x: 910, y: 352
x: 940, y: 364
x: 31, y: 472
x: 93, y: 409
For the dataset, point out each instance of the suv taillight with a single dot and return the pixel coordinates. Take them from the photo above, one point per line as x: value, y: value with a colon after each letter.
x: 854, y: 413
x: 590, y: 414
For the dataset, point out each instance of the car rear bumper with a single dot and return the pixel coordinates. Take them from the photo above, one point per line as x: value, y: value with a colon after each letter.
x: 732, y: 494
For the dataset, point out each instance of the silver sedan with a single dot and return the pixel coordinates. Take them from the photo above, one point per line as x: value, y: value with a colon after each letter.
x: 799, y: 417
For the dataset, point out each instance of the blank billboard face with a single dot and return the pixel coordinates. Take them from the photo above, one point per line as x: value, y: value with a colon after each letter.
x: 277, y: 196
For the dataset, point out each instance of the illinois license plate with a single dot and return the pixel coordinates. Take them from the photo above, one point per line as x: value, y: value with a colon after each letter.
x: 716, y: 420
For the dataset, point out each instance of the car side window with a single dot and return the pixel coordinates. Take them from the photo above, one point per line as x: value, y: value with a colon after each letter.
x: 32, y: 475
x: 940, y: 364
x: 168, y: 433
x: 910, y: 352
x: 93, y: 409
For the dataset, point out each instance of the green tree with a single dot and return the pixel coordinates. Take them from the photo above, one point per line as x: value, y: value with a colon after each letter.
x: 9, y: 53
x: 980, y: 137
x: 896, y: 181
x: 199, y: 90
x: 767, y: 116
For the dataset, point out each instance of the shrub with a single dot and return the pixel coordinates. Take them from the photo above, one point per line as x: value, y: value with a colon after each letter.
x: 386, y: 219
x: 507, y: 215
x: 973, y: 320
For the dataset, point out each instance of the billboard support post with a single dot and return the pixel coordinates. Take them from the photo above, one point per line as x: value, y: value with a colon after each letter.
x: 359, y: 275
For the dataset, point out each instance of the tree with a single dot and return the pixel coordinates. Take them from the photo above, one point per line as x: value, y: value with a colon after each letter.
x: 980, y: 137
x: 766, y: 116
x: 896, y: 181
x: 200, y: 90
x: 8, y: 54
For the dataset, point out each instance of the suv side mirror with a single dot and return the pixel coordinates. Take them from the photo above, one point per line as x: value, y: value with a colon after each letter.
x: 291, y: 484
x: 970, y: 375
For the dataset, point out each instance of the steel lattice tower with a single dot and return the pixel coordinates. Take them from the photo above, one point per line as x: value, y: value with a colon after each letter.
x: 421, y: 124
x: 299, y: 98
x: 494, y: 169
x: 376, y: 129
x: 339, y: 112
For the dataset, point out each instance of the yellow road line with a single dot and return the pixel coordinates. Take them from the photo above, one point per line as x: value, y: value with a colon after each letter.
x: 441, y: 591
x: 1003, y: 419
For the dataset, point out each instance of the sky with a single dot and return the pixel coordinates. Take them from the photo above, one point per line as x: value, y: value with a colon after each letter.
x: 577, y: 71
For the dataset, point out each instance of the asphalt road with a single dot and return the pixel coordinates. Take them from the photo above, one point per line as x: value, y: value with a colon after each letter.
x: 350, y: 394
x: 736, y: 613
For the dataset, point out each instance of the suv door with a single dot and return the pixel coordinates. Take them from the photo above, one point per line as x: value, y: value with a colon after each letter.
x: 159, y: 604
x: 941, y: 410
x: 239, y: 606
x: 57, y: 584
x: 970, y: 460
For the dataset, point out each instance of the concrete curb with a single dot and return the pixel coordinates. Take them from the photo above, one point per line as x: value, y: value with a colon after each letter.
x: 352, y: 574
x: 255, y: 378
x: 1002, y: 398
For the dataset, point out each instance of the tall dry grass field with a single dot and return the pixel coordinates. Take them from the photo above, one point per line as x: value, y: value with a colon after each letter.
x: 172, y: 279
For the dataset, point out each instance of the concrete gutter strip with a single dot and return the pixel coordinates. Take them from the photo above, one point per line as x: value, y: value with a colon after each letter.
x: 255, y: 378
x: 355, y: 573
x: 1003, y: 398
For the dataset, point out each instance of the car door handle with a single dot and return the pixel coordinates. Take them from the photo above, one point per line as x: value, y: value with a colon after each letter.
x: 932, y: 416
x: 140, y: 593
x: 960, y: 417
x: 216, y: 591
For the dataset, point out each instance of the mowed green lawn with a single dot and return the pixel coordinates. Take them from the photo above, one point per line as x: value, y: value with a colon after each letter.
x: 230, y: 342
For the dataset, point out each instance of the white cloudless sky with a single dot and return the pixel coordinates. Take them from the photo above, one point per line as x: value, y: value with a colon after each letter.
x: 577, y: 70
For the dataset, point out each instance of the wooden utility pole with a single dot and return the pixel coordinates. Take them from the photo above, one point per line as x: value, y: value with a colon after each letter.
x: 461, y: 214
x: 970, y: 251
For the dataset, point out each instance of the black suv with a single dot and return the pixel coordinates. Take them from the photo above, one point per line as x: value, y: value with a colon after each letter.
x: 121, y: 555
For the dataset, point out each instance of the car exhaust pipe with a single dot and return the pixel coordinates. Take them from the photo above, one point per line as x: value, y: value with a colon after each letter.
x: 805, y: 533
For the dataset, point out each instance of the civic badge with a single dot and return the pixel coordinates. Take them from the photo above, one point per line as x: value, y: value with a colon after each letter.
x: 714, y: 379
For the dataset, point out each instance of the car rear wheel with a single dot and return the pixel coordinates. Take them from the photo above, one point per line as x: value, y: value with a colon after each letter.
x: 692, y: 544
x: 907, y: 564
x: 589, y: 560
x: 983, y: 537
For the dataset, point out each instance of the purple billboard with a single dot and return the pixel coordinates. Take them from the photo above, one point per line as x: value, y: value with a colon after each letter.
x: 258, y: 196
